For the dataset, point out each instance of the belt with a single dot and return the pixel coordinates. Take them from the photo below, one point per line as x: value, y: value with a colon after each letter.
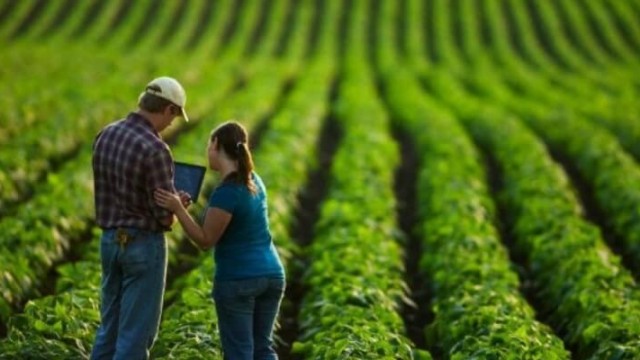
x: 123, y: 237
x: 126, y: 235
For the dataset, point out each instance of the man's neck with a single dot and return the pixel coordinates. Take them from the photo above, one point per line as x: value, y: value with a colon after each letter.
x: 151, y: 118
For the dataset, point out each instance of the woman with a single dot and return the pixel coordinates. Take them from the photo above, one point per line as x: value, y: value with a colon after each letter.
x: 249, y: 279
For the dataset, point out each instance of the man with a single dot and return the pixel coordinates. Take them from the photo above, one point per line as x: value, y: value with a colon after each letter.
x: 130, y: 161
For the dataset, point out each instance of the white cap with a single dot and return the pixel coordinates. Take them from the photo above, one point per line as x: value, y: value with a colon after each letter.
x: 170, y: 89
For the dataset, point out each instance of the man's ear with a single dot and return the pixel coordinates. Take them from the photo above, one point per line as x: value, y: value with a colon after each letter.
x: 174, y: 109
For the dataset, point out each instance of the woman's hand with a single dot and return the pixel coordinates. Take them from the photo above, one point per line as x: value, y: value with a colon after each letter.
x: 168, y: 200
x: 185, y: 198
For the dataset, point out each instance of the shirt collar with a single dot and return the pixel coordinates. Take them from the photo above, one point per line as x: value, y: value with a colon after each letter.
x: 139, y: 119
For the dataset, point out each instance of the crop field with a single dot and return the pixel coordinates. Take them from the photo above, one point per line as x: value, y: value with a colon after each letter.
x: 447, y: 179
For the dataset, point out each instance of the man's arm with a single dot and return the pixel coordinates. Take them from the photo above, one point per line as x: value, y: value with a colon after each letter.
x: 168, y: 221
x: 159, y: 174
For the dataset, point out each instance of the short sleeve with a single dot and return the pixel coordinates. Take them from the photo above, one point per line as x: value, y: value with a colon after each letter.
x: 225, y: 198
x: 159, y: 174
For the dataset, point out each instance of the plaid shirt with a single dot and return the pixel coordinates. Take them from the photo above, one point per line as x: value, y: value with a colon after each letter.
x: 130, y: 161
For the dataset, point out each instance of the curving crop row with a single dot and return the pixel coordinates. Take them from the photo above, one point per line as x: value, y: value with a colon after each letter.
x: 351, y: 306
x: 11, y: 21
x: 626, y: 23
x: 40, y: 16
x: 478, y: 308
x: 618, y: 113
x: 583, y: 290
x: 604, y: 22
x: 65, y: 22
x: 99, y: 21
x: 150, y: 33
x: 354, y: 281
x: 551, y: 24
x: 600, y: 160
x: 594, y: 324
x: 612, y: 175
x: 579, y: 34
x: 537, y: 39
x: 41, y: 232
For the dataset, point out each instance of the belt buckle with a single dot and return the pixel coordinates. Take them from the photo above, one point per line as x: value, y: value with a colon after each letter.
x: 122, y: 238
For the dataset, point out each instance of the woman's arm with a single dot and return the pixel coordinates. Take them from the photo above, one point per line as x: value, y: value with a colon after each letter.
x: 206, y: 236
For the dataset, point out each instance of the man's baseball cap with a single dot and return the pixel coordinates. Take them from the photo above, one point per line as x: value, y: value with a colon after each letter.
x: 170, y: 89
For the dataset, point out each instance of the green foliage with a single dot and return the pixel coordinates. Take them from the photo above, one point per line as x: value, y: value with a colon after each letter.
x: 50, y: 328
x: 479, y: 312
x: 566, y: 69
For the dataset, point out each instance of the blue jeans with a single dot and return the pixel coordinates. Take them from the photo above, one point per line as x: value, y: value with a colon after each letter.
x: 133, y: 282
x: 247, y: 311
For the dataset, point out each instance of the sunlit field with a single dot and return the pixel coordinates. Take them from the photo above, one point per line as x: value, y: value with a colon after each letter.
x: 447, y: 179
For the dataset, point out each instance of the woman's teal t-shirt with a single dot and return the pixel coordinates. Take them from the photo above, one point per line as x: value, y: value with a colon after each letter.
x: 246, y: 248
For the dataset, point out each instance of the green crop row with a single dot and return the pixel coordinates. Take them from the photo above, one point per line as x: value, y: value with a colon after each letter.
x: 350, y: 308
x: 41, y: 232
x: 583, y: 290
x: 590, y: 326
x: 624, y: 17
x: 477, y: 304
x: 567, y: 69
x: 609, y: 171
x: 479, y: 311
x: 568, y: 50
x: 612, y: 174
x: 592, y: 24
x: 618, y: 112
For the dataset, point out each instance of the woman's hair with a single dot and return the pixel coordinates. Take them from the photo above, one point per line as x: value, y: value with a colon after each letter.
x: 233, y: 139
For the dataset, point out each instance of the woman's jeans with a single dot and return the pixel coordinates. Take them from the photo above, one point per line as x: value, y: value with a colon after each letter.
x: 133, y: 282
x: 247, y: 310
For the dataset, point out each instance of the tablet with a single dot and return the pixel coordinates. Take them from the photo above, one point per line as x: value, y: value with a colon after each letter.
x: 188, y: 178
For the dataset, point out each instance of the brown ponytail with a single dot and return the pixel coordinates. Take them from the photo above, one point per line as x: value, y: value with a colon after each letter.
x: 234, y: 140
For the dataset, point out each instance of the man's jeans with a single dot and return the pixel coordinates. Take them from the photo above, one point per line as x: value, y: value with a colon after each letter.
x: 247, y: 310
x: 133, y: 281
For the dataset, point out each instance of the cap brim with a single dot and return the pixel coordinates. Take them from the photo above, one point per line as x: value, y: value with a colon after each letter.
x: 184, y: 114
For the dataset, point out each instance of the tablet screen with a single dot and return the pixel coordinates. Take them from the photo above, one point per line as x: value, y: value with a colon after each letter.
x: 188, y: 178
